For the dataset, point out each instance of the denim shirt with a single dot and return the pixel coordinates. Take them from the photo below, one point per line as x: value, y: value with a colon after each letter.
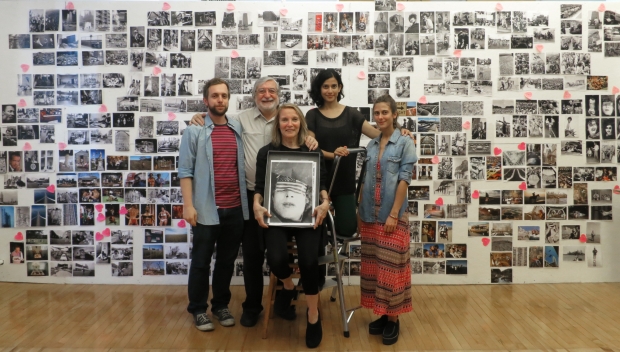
x: 397, y: 163
x: 196, y: 162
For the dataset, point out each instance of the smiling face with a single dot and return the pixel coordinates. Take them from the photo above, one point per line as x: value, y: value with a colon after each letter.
x: 330, y: 90
x: 289, y: 123
x: 267, y: 98
x: 384, y: 116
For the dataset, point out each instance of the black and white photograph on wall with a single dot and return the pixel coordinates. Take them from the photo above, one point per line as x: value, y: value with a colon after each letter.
x: 122, y: 237
x: 178, y: 251
x: 9, y: 136
x: 43, y: 98
x: 91, y: 97
x: 37, y: 269
x: 44, y: 81
x: 181, y: 18
x: 121, y: 268
x: 593, y: 155
x: 116, y: 57
x: 150, y: 105
x: 102, y: 253
x: 228, y: 22
x: 151, y: 87
x: 612, y: 49
x: 168, y: 144
x: 206, y: 18
x: 158, y: 18
x: 171, y: 39
x: 116, y: 40
x: 188, y: 40
x: 123, y: 119
x: 601, y: 212
x: 44, y: 59
x: 593, y: 232
x: 129, y: 103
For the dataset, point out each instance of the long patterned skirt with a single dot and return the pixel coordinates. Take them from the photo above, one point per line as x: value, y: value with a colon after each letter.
x: 386, y: 267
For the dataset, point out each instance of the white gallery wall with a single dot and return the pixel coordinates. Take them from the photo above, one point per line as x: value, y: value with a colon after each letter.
x: 488, y: 89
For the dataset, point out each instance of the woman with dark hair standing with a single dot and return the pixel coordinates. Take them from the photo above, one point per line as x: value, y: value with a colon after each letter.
x: 384, y: 224
x: 338, y: 127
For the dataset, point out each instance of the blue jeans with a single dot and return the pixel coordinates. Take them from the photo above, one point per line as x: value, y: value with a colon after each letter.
x: 227, y: 236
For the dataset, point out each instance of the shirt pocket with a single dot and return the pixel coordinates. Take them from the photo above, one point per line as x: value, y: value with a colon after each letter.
x: 393, y: 164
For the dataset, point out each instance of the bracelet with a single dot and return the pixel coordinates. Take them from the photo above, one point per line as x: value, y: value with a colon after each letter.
x: 393, y: 217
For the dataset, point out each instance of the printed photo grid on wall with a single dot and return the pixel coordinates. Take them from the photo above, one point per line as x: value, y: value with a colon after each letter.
x: 83, y: 180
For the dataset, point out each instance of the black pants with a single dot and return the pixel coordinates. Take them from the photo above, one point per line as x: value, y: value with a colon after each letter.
x: 227, y: 235
x: 253, y: 244
x: 308, y: 240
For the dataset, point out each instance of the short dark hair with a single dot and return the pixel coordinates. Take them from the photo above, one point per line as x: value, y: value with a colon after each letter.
x: 213, y: 82
x: 413, y: 15
x: 315, y: 86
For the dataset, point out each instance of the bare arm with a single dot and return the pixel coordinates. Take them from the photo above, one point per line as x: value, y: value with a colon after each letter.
x: 369, y: 131
x: 189, y: 212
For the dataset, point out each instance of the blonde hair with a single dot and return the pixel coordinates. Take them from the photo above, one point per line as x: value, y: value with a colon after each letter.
x: 276, y: 135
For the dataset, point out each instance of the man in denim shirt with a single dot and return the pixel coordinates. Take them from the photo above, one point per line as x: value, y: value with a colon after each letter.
x: 215, y: 203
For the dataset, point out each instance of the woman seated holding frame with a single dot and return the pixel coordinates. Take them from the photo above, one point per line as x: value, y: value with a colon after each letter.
x: 290, y: 198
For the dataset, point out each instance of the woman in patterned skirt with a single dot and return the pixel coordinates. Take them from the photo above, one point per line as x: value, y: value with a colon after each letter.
x: 386, y: 270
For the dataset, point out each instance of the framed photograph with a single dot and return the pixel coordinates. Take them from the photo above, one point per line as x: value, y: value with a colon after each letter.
x: 292, y: 188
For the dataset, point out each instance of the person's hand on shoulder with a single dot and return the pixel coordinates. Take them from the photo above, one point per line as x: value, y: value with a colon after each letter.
x: 198, y: 119
x: 311, y: 143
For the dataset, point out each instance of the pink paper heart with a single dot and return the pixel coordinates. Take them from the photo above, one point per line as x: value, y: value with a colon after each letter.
x: 234, y: 54
x: 497, y: 151
x: 439, y: 201
x: 400, y: 6
x: 601, y: 8
x: 103, y: 108
x: 25, y: 67
x: 466, y: 125
x: 27, y: 146
x: 539, y: 48
x: 567, y: 95
x: 475, y: 194
x: 21, y: 103
x: 19, y: 236
x: 583, y: 238
x: 361, y: 75
x: 171, y: 116
x: 339, y: 7
x: 100, y: 217
x: 123, y: 210
x: 457, y: 53
x: 523, y: 186
x: 51, y: 188
x: 98, y: 236
x: 615, y: 90
x: 616, y: 189
x: 230, y: 7
x: 182, y: 224
x: 106, y: 232
x: 166, y: 6
x: 498, y: 7
x: 422, y: 100
x: 283, y: 11
x: 69, y: 6
x: 528, y: 95
x: 99, y: 207
x: 435, y: 159
x: 62, y: 146
x: 486, y: 241
x: 521, y: 146
x: 156, y: 70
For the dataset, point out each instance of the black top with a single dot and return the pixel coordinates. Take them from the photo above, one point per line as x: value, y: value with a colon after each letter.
x: 261, y: 166
x: 331, y: 134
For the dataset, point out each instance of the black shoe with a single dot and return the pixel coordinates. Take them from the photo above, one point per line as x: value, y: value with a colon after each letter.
x: 314, y: 333
x: 390, y: 333
x: 249, y: 319
x: 377, y: 326
x: 202, y: 322
x: 282, y: 305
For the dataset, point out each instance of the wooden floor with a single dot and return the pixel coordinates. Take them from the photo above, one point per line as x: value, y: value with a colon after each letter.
x: 544, y: 317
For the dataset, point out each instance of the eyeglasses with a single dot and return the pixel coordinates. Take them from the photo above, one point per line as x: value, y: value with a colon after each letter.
x: 264, y: 90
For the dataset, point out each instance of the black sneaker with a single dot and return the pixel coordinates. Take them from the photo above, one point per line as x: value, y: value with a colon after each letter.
x: 224, y: 316
x: 282, y: 305
x: 377, y: 326
x: 249, y: 319
x: 202, y: 322
x: 390, y: 333
x: 314, y: 333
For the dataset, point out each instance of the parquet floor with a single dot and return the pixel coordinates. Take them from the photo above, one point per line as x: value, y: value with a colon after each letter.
x: 123, y: 318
